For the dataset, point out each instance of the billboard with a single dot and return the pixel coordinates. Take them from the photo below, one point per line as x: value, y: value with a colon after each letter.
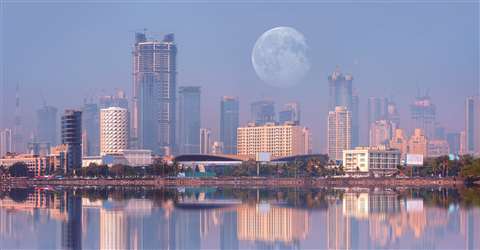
x: 263, y: 156
x: 414, y: 160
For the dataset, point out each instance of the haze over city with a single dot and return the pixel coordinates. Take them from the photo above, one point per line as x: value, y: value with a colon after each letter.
x: 64, y: 53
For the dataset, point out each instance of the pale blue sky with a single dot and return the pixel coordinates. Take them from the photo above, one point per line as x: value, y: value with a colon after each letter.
x: 71, y: 50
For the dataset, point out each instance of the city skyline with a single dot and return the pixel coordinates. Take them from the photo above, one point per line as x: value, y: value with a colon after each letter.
x: 311, y: 93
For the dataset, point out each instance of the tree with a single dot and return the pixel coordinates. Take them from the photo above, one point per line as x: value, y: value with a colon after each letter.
x: 19, y: 169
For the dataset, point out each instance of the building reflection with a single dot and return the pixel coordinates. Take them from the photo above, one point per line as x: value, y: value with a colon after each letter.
x: 266, y: 224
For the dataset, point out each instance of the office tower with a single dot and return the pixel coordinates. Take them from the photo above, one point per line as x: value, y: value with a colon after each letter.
x: 453, y: 140
x: 189, y: 120
x: 262, y: 112
x: 6, y: 143
x: 47, y: 125
x: 154, y: 94
x: 418, y: 143
x: 400, y: 142
x: 339, y: 132
x: 278, y: 140
x: 113, y: 130
x: 91, y: 129
x: 439, y: 132
x: 472, y: 124
x: 381, y: 132
x: 18, y: 138
x: 377, y: 109
x: 229, y: 122
x: 119, y: 100
x: 392, y: 113
x: 72, y: 138
x: 290, y: 113
x: 423, y: 115
x: 205, y: 140
x: 341, y: 94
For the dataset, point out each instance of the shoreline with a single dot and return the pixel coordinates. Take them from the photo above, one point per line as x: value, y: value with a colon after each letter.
x: 240, y: 182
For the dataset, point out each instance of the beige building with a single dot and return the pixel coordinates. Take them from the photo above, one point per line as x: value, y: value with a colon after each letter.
x: 381, y: 132
x: 37, y: 165
x: 418, y: 143
x: 339, y: 132
x: 113, y: 130
x: 279, y: 140
x: 438, y: 148
x: 399, y: 141
x: 378, y: 161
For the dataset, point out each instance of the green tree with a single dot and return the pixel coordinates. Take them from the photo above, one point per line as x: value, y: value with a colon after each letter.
x: 19, y: 169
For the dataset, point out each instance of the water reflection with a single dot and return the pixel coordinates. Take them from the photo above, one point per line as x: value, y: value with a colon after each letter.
x: 225, y: 218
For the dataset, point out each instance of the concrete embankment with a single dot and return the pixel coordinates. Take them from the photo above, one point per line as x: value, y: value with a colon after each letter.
x: 241, y: 182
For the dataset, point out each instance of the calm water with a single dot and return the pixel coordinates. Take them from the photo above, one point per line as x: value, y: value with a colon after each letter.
x: 224, y: 218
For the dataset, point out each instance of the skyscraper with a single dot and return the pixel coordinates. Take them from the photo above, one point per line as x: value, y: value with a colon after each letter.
x: 205, y: 141
x: 290, y: 113
x: 341, y: 94
x: 118, y: 100
x: 472, y: 124
x: 113, y: 130
x: 454, y: 144
x: 47, y: 125
x: 189, y: 120
x: 91, y: 129
x: 381, y: 132
x: 377, y: 109
x: 72, y: 138
x: 339, y: 132
x: 6, y: 144
x: 229, y: 122
x: 154, y: 94
x: 262, y: 112
x: 423, y: 115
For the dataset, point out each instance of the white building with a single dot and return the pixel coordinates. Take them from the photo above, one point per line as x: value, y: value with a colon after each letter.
x: 205, y: 140
x: 379, y: 161
x: 279, y: 140
x: 113, y: 130
x: 339, y: 132
x: 137, y: 157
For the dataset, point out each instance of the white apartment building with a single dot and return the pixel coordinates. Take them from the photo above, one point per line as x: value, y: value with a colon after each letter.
x: 379, y: 161
x: 339, y: 132
x: 113, y: 130
x: 278, y: 140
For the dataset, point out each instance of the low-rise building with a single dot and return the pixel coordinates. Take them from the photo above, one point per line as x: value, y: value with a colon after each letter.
x: 438, y: 148
x: 37, y: 165
x: 377, y: 161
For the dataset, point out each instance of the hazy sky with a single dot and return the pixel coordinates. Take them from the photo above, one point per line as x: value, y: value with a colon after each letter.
x: 65, y: 52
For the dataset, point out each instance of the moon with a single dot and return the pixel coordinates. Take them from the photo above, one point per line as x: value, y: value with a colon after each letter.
x: 279, y: 57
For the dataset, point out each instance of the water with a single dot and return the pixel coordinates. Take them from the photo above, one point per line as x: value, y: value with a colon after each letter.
x: 226, y: 218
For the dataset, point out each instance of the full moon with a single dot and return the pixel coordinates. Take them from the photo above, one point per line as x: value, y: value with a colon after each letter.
x: 279, y: 57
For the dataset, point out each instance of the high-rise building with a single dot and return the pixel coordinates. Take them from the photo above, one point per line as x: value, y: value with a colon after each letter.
x: 229, y: 122
x: 72, y: 138
x: 290, y: 113
x: 381, y: 132
x: 278, y: 140
x: 91, y: 129
x: 18, y: 136
x: 205, y: 140
x: 472, y: 124
x: 339, y: 132
x: 341, y: 94
x: 113, y: 130
x: 453, y: 140
x: 392, y: 112
x: 189, y: 120
x: 437, y: 148
x: 377, y: 109
x: 118, y: 100
x: 47, y: 125
x: 418, y: 143
x: 400, y: 142
x: 262, y: 112
x: 6, y: 143
x: 423, y: 115
x: 154, y: 94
